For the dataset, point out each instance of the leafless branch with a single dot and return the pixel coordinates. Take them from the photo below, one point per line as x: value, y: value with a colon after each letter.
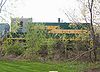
x: 70, y: 17
x: 8, y: 12
x: 2, y: 18
x: 77, y: 57
x: 2, y: 4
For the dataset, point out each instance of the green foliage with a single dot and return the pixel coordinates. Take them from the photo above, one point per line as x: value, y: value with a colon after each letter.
x: 35, y: 36
x: 14, y: 27
x: 38, y: 38
x: 13, y: 47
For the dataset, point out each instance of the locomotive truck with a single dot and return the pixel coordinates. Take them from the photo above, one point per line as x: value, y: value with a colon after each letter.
x: 70, y: 29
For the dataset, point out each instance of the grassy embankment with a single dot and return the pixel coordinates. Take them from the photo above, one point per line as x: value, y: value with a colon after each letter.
x: 19, y: 66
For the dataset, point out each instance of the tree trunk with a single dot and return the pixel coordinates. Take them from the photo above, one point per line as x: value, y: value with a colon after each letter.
x: 92, y: 33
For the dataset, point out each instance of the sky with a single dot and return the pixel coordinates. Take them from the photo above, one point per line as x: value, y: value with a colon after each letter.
x: 44, y: 10
x: 39, y: 10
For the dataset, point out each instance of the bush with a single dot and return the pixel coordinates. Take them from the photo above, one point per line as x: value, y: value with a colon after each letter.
x: 13, y: 47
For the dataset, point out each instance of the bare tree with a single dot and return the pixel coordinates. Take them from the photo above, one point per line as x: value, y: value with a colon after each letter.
x: 92, y: 8
x: 8, y: 9
x: 92, y: 33
x: 90, y: 13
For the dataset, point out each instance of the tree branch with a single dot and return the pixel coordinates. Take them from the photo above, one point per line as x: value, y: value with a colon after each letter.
x: 2, y: 4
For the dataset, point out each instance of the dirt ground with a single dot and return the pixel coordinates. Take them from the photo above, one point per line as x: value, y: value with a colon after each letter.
x: 93, y: 70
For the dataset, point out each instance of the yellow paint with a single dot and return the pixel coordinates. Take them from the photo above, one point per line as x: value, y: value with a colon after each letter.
x: 52, y: 27
x: 67, y: 31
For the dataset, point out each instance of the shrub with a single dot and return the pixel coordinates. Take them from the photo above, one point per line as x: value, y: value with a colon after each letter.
x: 13, y: 47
